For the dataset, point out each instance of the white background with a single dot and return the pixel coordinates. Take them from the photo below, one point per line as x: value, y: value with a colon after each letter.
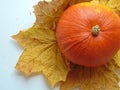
x: 16, y: 15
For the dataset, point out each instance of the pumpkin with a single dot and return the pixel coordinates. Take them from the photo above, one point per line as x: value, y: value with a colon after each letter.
x: 88, y: 34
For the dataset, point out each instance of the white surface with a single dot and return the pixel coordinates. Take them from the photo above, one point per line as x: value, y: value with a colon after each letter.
x: 16, y: 15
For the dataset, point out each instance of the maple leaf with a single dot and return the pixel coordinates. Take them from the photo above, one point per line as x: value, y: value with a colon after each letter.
x: 31, y: 37
x: 48, y: 13
x: 98, y: 78
x: 113, y: 4
x: 117, y: 58
x: 72, y: 2
x: 41, y: 54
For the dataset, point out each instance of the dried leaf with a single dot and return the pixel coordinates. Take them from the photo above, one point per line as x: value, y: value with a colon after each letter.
x: 48, y: 13
x: 98, y: 78
x: 34, y: 36
x: 72, y: 2
x: 41, y: 54
x: 117, y: 58
x: 113, y: 4
x: 100, y: 1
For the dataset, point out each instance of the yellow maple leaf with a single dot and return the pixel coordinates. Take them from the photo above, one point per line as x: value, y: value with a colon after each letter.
x: 31, y: 37
x: 117, y: 58
x: 98, y: 78
x: 41, y: 54
x: 113, y: 4
x: 99, y: 1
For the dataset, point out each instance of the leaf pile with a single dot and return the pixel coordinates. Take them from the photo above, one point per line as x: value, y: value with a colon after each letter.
x: 42, y: 55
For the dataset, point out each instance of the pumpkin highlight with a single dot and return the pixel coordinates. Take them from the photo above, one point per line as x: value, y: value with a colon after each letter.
x: 88, y: 34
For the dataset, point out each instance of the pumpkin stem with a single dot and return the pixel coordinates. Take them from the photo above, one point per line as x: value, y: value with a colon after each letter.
x: 95, y: 30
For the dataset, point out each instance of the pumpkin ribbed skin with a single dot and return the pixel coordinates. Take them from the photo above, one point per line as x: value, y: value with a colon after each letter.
x: 75, y: 38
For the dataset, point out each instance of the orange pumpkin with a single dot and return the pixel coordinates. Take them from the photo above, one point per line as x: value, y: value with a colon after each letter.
x: 88, y: 34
